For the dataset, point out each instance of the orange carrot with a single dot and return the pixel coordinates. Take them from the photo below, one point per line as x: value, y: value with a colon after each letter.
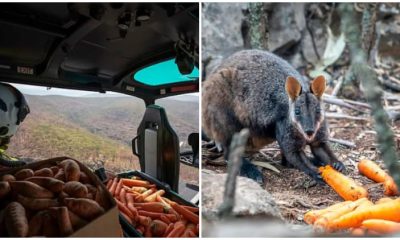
x: 158, y: 228
x: 197, y: 229
x: 124, y: 209
x: 165, y: 219
x: 147, y: 232
x: 385, y: 211
x: 118, y: 189
x: 346, y: 187
x: 161, y: 200
x: 381, y: 226
x: 372, y: 171
x: 365, y: 204
x: 311, y: 216
x: 155, y: 215
x: 146, y: 194
x: 152, y: 197
x: 169, y: 229
x: 323, y: 223
x: 192, y: 209
x: 130, y: 206
x: 139, y: 189
x: 122, y: 196
x: 145, y: 221
x: 151, y: 206
x: 190, y: 228
x: 390, y: 187
x: 134, y: 183
x: 178, y: 229
x: 185, y: 213
x: 113, y: 186
x: 383, y: 200
x: 109, y: 183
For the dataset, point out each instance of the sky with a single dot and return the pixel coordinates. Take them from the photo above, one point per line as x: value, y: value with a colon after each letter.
x: 36, y: 90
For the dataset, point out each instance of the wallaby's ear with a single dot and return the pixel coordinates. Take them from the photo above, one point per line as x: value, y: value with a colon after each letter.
x: 318, y: 86
x: 293, y: 87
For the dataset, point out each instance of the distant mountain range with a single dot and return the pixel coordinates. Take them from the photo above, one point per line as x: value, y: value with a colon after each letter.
x: 95, y: 130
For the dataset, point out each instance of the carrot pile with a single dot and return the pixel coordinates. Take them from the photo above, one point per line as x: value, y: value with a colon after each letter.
x: 358, y: 215
x: 152, y: 214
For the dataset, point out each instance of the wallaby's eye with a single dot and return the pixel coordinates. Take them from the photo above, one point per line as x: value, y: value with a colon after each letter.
x: 297, y: 111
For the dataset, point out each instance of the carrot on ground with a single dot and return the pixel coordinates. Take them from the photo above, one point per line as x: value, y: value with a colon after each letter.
x: 346, y: 187
x: 323, y: 222
x: 153, y: 196
x: 185, y: 213
x: 372, y: 171
x: 381, y: 226
x: 134, y: 183
x: 119, y: 187
x: 383, y: 200
x: 358, y: 232
x: 311, y: 216
x: 385, y: 211
x: 390, y: 187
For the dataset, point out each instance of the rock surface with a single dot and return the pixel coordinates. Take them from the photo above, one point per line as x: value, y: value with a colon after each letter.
x: 250, y: 199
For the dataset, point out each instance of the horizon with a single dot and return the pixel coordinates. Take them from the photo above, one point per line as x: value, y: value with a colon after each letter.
x: 44, y: 91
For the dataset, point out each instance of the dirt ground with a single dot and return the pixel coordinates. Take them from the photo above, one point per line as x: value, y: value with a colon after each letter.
x: 291, y: 189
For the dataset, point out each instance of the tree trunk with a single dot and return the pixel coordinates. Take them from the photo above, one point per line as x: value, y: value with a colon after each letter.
x: 373, y: 92
x: 255, y: 30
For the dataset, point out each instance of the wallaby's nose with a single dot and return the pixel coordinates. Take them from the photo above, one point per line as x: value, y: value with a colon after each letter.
x: 310, y: 132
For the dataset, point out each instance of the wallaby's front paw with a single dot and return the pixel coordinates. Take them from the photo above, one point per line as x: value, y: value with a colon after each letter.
x: 317, y: 177
x: 339, y: 166
x: 251, y: 171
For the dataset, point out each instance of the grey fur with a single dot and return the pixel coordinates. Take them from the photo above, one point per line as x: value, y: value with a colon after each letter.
x: 247, y: 90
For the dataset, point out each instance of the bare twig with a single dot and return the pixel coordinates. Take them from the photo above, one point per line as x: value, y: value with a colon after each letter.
x: 343, y: 142
x: 342, y: 103
x: 344, y: 116
x: 236, y: 151
x: 336, y: 90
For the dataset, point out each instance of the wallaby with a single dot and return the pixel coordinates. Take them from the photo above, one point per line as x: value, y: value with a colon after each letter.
x: 258, y: 90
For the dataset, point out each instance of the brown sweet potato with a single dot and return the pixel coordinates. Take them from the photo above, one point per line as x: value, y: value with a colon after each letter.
x: 54, y: 169
x: 83, y: 207
x: 84, y: 178
x: 36, y: 224
x: 44, y: 172
x: 61, y: 196
x: 92, y: 189
x: 23, y: 174
x: 60, y: 175
x: 101, y: 199
x: 16, y: 220
x: 50, y: 225
x: 52, y: 184
x: 4, y: 189
x: 75, y: 189
x: 8, y: 178
x: 37, y: 204
x: 71, y: 169
x: 76, y: 221
x: 30, y: 189
x: 64, y: 223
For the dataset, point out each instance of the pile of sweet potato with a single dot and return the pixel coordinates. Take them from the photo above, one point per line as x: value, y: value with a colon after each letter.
x: 53, y: 201
x: 152, y: 214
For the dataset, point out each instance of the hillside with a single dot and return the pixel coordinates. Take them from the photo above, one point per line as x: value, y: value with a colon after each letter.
x: 97, y: 131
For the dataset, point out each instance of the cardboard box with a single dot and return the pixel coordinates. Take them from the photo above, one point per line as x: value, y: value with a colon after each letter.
x: 106, y: 225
